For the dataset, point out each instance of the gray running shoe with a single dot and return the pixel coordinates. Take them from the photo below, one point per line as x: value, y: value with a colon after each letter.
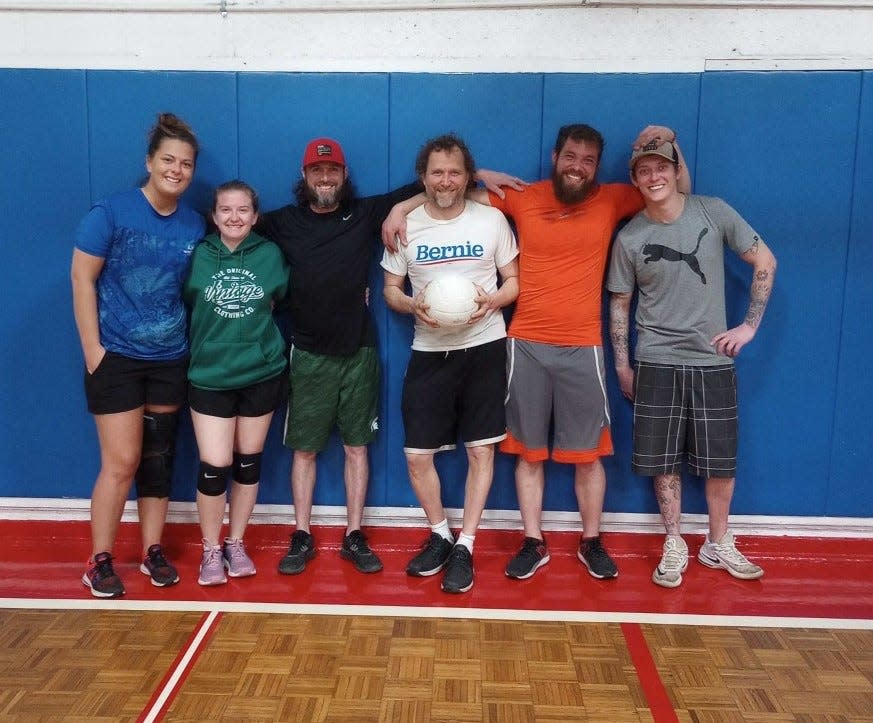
x: 674, y: 561
x: 725, y: 555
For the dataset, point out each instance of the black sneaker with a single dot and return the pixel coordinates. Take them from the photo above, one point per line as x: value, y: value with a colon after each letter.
x: 300, y: 551
x: 432, y: 558
x: 596, y: 559
x: 356, y: 549
x: 155, y: 565
x: 459, y: 570
x: 101, y: 578
x: 530, y: 558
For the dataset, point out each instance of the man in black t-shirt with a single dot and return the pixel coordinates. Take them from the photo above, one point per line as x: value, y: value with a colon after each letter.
x: 328, y: 239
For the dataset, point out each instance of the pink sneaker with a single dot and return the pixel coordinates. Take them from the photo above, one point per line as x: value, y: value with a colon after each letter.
x: 211, y: 566
x: 237, y: 562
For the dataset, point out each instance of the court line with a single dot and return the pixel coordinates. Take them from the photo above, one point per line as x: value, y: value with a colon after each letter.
x: 653, y: 687
x: 179, y: 669
x: 744, y: 621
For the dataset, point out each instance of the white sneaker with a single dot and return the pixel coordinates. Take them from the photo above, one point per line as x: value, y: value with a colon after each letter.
x: 674, y: 561
x: 725, y: 555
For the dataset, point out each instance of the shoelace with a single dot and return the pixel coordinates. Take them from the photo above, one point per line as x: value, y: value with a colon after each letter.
x: 731, y: 554
x: 529, y: 549
x: 213, y: 554
x: 672, y: 559
x: 157, y: 559
x: 298, y: 542
x: 235, y: 550
x: 104, y: 568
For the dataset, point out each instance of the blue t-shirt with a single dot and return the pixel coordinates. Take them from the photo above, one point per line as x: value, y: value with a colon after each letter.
x: 147, y: 258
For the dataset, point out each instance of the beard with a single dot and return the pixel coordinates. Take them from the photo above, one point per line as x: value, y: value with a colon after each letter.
x: 447, y: 200
x: 570, y: 195
x: 307, y: 196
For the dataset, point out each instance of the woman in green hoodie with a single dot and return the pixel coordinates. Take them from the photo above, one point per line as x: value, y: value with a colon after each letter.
x: 237, y: 371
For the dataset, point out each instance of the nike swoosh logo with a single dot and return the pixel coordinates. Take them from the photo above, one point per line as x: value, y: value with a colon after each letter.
x: 250, y: 464
x: 211, y: 476
x: 346, y: 218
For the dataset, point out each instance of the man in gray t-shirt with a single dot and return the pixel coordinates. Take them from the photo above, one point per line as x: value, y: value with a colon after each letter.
x: 683, y: 384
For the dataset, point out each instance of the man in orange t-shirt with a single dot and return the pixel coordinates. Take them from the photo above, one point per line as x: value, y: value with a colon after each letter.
x: 555, y: 356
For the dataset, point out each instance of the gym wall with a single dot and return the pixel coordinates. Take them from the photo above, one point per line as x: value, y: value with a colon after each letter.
x: 790, y: 150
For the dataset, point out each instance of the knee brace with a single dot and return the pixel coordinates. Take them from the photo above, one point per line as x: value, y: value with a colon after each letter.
x: 212, y: 481
x: 158, y: 451
x: 247, y: 468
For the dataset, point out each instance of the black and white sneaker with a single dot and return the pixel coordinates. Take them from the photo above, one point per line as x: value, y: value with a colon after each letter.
x: 300, y: 551
x: 592, y: 554
x: 432, y: 558
x: 531, y: 557
x: 356, y: 549
x: 459, y: 570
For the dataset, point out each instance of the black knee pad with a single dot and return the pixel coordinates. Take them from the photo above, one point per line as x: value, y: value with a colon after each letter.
x: 212, y: 481
x: 158, y: 451
x: 247, y: 468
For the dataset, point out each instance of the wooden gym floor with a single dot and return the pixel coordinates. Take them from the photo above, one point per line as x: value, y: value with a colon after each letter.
x: 335, y: 645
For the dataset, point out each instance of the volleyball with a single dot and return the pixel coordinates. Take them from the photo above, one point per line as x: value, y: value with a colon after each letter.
x: 452, y: 299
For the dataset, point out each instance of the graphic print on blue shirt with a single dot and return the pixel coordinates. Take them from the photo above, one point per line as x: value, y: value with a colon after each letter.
x: 146, y: 260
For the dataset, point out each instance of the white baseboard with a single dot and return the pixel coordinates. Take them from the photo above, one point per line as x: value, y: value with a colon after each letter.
x: 56, y: 509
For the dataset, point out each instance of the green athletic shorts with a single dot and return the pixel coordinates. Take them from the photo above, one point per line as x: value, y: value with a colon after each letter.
x: 332, y: 390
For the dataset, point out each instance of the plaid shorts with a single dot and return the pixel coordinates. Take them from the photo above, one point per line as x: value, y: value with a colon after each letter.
x: 685, y: 411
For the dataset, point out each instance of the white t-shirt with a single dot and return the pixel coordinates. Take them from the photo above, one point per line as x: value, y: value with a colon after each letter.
x: 474, y: 244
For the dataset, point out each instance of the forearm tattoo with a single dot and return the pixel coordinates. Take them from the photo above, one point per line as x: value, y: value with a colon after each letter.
x: 618, y: 333
x: 759, y: 295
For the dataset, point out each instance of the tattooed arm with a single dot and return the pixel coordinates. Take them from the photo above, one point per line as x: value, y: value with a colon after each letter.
x: 763, y: 262
x: 619, y: 320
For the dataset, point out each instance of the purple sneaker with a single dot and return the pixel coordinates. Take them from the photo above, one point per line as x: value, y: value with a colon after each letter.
x: 237, y: 562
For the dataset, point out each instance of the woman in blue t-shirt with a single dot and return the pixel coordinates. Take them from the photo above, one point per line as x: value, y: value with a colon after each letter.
x: 133, y: 251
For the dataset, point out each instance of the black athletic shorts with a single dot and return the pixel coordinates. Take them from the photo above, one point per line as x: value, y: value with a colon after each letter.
x: 255, y: 400
x: 120, y: 383
x: 452, y: 394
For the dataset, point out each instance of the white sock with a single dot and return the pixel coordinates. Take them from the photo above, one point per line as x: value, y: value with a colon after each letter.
x: 466, y: 541
x: 442, y: 529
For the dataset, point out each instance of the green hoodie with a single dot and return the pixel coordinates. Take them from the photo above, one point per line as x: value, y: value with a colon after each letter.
x: 234, y: 340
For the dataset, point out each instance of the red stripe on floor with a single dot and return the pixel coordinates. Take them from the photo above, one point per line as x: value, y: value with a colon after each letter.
x: 653, y: 688
x: 167, y: 689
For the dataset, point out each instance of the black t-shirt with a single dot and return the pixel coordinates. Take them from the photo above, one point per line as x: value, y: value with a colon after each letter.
x: 330, y: 255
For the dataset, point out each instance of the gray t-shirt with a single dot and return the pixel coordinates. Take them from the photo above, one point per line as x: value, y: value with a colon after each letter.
x: 679, y: 269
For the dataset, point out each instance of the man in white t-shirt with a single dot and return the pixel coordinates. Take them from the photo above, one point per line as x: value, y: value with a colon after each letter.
x: 455, y: 383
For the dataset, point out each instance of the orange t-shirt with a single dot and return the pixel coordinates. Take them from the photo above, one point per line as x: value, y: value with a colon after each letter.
x: 562, y: 259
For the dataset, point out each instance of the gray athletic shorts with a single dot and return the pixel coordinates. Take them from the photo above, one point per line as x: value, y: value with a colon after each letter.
x: 685, y: 410
x: 567, y: 383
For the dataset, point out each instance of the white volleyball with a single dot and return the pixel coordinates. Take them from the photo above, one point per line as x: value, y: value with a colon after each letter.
x: 451, y: 298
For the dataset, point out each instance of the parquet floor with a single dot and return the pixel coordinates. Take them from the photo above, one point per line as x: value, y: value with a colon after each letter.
x: 96, y: 666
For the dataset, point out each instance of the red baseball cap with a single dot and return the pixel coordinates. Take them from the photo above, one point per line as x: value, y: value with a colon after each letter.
x: 323, y: 149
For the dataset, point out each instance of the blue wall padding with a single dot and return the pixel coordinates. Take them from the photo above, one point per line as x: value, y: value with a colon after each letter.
x: 790, y: 150
x: 849, y: 491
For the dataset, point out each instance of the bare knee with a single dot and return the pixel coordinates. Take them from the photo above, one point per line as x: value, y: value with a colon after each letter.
x: 357, y: 453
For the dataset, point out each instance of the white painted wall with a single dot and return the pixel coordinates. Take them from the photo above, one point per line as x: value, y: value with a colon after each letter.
x: 436, y: 35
